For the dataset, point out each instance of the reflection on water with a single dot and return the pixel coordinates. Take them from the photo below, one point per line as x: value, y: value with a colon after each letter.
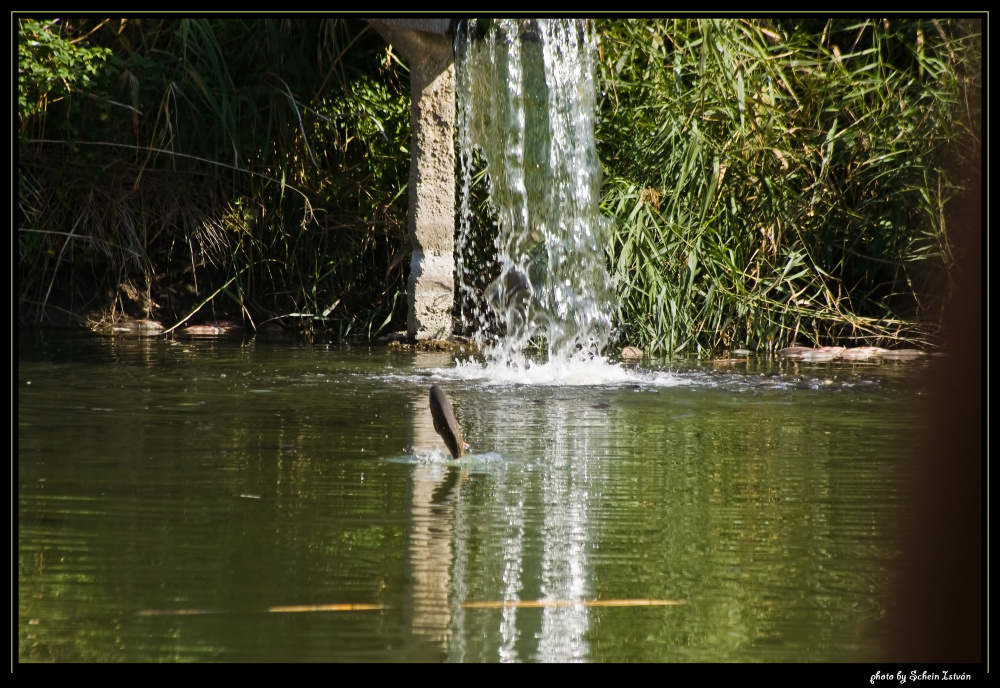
x: 238, y: 477
x: 537, y: 514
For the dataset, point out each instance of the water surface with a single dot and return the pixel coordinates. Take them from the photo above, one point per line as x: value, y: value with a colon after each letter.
x: 192, y: 500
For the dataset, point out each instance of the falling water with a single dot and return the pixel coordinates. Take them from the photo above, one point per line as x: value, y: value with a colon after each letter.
x: 526, y: 98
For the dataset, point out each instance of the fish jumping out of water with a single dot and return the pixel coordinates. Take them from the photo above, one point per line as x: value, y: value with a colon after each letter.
x: 445, y: 423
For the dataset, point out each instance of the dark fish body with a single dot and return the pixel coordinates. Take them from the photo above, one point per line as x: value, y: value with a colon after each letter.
x: 445, y: 423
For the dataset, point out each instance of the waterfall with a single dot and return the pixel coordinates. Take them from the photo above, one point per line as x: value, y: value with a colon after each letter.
x: 526, y: 102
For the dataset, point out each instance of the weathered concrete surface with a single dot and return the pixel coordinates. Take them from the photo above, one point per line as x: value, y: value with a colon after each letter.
x: 431, y: 286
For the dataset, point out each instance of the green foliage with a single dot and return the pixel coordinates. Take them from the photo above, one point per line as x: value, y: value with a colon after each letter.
x: 269, y: 155
x: 50, y: 66
x: 780, y: 180
x: 769, y: 180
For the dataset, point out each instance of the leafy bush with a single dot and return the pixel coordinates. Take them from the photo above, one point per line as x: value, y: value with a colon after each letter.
x: 50, y: 66
x: 258, y: 166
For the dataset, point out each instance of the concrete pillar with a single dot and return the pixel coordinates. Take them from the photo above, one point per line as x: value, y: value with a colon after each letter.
x: 427, y: 46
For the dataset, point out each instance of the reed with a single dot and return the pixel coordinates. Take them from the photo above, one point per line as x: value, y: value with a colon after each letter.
x: 783, y: 181
x: 770, y: 182
x: 267, y: 154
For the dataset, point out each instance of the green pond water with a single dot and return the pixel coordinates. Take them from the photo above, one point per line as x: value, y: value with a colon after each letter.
x: 228, y: 500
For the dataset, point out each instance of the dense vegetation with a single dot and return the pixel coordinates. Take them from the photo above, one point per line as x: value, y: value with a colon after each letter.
x: 785, y: 180
x: 769, y: 181
x: 257, y: 167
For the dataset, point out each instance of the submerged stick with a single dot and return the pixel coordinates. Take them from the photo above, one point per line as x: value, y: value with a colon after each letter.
x: 445, y: 423
x: 361, y: 607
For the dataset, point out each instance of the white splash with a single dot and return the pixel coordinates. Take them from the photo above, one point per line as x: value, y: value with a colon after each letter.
x: 527, y: 101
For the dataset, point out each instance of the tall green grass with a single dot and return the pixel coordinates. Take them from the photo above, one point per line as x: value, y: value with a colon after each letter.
x: 770, y: 181
x: 267, y: 155
x: 785, y: 181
